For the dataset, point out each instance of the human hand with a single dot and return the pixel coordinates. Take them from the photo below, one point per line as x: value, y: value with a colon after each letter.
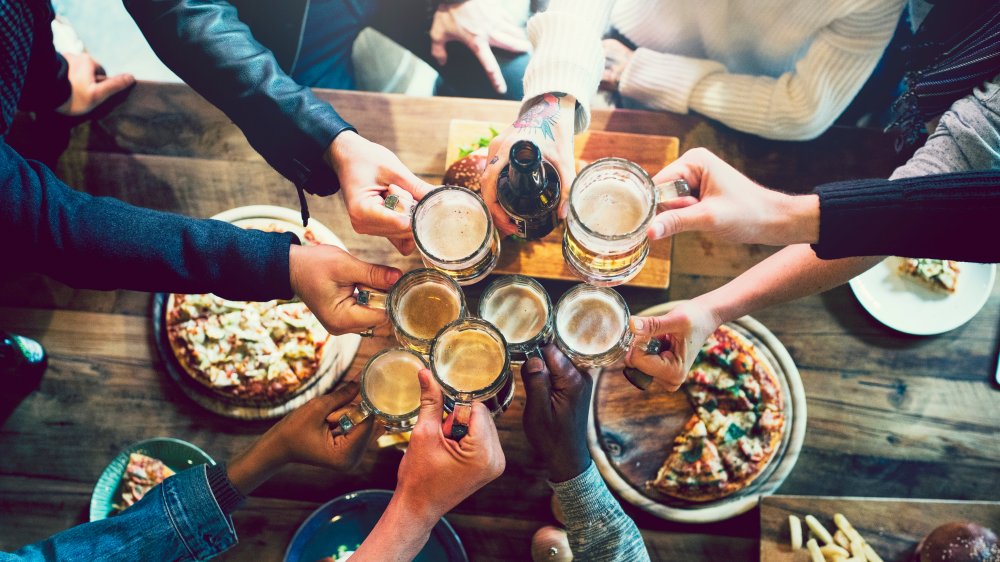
x: 616, y: 59
x: 731, y: 206
x: 437, y: 473
x: 548, y: 121
x: 325, y: 277
x: 90, y: 85
x: 556, y: 412
x: 683, y: 331
x: 305, y: 435
x: 368, y: 173
x: 479, y: 25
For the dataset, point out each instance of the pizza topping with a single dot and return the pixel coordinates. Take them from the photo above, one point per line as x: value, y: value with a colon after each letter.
x: 940, y: 275
x: 142, y: 473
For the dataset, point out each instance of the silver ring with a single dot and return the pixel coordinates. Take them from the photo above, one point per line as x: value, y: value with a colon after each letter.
x: 368, y: 333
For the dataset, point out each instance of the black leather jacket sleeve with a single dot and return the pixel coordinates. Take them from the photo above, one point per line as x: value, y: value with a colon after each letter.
x: 207, y: 45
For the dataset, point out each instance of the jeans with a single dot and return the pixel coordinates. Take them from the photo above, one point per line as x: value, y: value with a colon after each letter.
x: 331, y: 26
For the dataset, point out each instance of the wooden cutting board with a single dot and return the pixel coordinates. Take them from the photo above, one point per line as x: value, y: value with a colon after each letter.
x: 544, y: 258
x: 893, y: 527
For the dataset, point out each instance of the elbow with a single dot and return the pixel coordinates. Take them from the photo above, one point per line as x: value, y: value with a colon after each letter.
x: 804, y: 127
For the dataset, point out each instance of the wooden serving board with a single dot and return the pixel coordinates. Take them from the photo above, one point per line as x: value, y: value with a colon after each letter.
x: 893, y: 527
x: 631, y: 432
x: 544, y: 258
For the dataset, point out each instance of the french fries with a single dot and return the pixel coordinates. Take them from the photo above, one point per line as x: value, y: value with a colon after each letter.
x: 831, y: 551
x: 795, y: 528
x: 845, y: 545
x: 813, y: 546
x: 844, y: 525
x: 819, y: 530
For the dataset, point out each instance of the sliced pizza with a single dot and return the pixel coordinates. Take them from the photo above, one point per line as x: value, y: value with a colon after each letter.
x: 142, y: 474
x: 694, y: 469
x: 937, y: 275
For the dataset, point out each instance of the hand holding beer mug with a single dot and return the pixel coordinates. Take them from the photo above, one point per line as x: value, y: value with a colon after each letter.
x: 611, y: 205
x: 421, y: 303
x: 390, y: 391
x: 683, y: 330
x: 521, y: 309
x: 470, y: 361
x: 454, y: 233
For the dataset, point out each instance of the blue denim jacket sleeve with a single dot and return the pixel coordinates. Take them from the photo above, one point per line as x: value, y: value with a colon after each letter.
x: 177, y: 520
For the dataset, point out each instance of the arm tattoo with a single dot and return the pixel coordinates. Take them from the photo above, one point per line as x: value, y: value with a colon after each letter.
x: 542, y: 115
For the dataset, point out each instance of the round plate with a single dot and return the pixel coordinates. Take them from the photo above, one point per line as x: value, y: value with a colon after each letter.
x: 911, y: 308
x: 638, y: 428
x: 334, y: 363
x: 347, y: 520
x: 176, y: 454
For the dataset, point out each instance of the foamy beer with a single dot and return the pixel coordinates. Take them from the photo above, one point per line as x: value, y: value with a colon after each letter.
x: 521, y: 309
x: 592, y: 326
x: 611, y: 204
x: 454, y: 232
x: 469, y: 359
x: 421, y: 303
x: 390, y: 391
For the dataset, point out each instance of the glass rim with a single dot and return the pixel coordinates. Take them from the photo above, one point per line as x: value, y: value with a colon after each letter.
x: 408, y: 276
x: 632, y: 167
x: 487, y: 240
x: 366, y: 400
x: 511, y: 279
x: 487, y: 390
x: 579, y: 288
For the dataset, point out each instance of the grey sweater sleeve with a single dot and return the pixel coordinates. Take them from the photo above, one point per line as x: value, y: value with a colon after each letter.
x: 598, y: 529
x: 967, y: 137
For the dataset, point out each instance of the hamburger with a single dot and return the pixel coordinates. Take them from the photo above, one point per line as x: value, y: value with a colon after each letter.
x: 958, y: 541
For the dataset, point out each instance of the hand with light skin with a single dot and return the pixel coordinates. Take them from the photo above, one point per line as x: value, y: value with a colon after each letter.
x: 616, y: 59
x: 731, y: 206
x: 368, y: 173
x: 479, y: 25
x: 309, y: 435
x: 683, y: 330
x: 435, y: 475
x: 325, y: 277
x: 548, y: 121
x: 91, y: 86
x: 556, y: 412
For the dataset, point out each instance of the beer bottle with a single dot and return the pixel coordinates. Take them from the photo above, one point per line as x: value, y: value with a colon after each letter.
x: 528, y: 190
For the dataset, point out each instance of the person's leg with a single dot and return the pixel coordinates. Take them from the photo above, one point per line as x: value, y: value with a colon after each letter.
x: 328, y: 34
x: 408, y: 23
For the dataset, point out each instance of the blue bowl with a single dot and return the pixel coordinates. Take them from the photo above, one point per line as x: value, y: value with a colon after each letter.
x: 347, y: 520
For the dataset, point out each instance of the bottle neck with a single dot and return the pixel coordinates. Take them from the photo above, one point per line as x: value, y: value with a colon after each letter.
x: 525, y: 171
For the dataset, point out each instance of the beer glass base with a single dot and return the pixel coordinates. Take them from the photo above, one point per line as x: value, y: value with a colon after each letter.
x: 603, y: 278
x: 496, y: 404
x: 478, y: 272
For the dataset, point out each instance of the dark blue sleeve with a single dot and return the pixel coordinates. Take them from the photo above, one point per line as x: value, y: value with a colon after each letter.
x: 102, y: 243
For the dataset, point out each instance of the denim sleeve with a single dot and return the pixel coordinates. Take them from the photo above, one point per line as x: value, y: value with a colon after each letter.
x: 178, y: 520
x: 598, y: 529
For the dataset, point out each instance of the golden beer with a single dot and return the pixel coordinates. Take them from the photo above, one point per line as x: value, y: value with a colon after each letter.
x: 592, y: 326
x: 390, y: 391
x: 454, y: 233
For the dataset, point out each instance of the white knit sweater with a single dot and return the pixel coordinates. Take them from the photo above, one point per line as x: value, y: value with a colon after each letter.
x: 781, y: 69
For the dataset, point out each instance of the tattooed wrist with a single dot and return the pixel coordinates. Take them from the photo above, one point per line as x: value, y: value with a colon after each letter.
x: 542, y: 116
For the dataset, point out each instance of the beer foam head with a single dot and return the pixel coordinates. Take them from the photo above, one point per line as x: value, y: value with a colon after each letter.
x: 590, y: 323
x: 611, y: 207
x: 468, y: 360
x: 452, y: 226
x: 427, y: 307
x: 518, y: 311
x: 391, y: 383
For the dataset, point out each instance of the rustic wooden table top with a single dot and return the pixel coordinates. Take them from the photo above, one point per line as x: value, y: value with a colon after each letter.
x: 889, y: 415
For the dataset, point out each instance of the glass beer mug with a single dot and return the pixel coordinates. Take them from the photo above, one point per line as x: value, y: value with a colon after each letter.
x: 521, y: 309
x: 390, y: 391
x: 453, y: 231
x: 592, y: 326
x: 611, y: 203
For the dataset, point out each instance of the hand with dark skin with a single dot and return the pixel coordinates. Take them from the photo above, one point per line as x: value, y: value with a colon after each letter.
x: 556, y: 412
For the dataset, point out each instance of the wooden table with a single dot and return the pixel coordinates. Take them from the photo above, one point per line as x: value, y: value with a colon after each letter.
x: 889, y: 415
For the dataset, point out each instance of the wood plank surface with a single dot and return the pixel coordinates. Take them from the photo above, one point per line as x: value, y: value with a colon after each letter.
x: 892, y: 527
x: 889, y: 414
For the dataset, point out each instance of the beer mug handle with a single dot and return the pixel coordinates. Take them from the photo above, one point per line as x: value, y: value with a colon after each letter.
x: 671, y: 190
x: 372, y: 298
x: 353, y: 417
x: 639, y: 379
x: 461, y: 413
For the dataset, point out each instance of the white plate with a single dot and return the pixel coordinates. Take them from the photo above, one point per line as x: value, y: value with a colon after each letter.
x: 911, y: 308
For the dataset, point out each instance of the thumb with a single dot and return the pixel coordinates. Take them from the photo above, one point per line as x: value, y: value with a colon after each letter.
x: 657, y: 325
x: 431, y: 403
x: 369, y: 274
x: 675, y: 221
x: 482, y: 429
x: 339, y: 398
x: 111, y: 86
x: 438, y: 51
x: 409, y: 181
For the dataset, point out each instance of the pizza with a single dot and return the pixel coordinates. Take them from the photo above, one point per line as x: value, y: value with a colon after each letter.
x: 142, y: 474
x: 937, y: 275
x: 246, y: 353
x: 737, y: 425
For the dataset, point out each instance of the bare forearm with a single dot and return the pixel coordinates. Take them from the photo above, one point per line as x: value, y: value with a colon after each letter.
x: 256, y: 465
x: 792, y: 273
x: 399, y: 534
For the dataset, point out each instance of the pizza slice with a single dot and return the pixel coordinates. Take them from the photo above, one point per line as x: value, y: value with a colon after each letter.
x: 937, y: 275
x: 142, y: 474
x: 693, y: 470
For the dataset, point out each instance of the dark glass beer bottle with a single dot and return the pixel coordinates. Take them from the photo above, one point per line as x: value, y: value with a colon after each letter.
x: 528, y: 190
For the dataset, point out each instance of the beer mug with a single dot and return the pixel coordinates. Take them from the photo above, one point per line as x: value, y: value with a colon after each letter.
x: 470, y: 361
x: 420, y: 303
x: 390, y: 391
x: 454, y: 233
x: 521, y: 309
x: 611, y: 203
x: 592, y: 326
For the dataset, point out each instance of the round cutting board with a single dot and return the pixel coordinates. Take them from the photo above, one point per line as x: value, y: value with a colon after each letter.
x: 334, y: 363
x: 631, y: 433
